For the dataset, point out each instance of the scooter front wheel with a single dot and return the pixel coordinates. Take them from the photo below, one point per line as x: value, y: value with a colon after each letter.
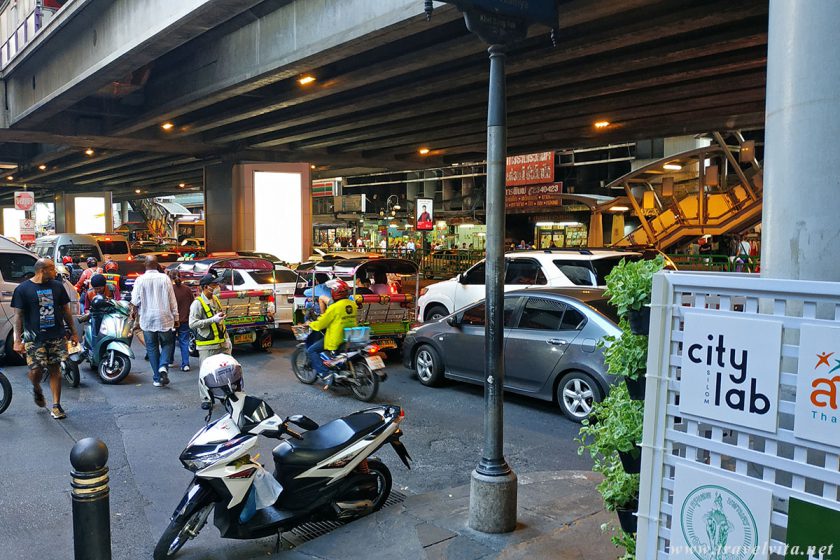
x: 70, y: 372
x: 112, y: 373
x: 178, y: 532
x: 302, y: 368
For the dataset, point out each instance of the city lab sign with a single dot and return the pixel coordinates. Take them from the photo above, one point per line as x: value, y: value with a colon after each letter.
x: 24, y: 200
x: 505, y: 21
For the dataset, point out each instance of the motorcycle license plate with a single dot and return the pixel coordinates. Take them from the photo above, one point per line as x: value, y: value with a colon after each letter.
x: 375, y: 362
x: 244, y: 338
x: 386, y: 343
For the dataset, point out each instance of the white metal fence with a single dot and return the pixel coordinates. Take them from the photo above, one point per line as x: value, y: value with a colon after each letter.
x: 777, y: 461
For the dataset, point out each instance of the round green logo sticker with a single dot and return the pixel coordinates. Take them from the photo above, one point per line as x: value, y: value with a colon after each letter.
x: 718, y: 525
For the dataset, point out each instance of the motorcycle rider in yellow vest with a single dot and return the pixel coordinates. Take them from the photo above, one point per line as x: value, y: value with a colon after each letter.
x: 339, y: 316
x: 207, y: 321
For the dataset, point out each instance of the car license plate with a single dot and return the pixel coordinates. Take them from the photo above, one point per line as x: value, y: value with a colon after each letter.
x: 375, y: 362
x: 244, y: 338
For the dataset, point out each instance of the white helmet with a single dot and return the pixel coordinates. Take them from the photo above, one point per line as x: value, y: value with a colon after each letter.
x: 221, y: 375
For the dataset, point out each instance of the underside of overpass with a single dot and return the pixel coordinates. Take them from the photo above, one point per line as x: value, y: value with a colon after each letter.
x: 106, y: 75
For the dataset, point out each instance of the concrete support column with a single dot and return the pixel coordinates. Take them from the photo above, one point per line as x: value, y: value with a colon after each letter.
x: 596, y: 230
x: 78, y: 212
x: 617, y: 230
x: 429, y: 187
x: 799, y: 223
x: 449, y: 186
x: 412, y: 188
x: 123, y: 212
x: 467, y: 189
x: 219, y: 202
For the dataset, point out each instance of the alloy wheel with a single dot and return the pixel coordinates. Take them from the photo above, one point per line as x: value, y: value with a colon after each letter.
x: 424, y: 365
x: 578, y: 397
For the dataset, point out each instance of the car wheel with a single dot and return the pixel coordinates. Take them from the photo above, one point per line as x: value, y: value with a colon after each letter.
x: 428, y: 366
x: 576, y: 393
x: 436, y: 312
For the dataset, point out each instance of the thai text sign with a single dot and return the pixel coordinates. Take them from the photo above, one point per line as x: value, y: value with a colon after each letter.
x: 817, y: 417
x: 730, y: 369
x: 534, y: 197
x: 717, y: 517
x: 27, y: 231
x: 530, y: 169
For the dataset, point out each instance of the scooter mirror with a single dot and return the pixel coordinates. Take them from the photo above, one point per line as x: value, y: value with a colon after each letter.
x: 303, y: 422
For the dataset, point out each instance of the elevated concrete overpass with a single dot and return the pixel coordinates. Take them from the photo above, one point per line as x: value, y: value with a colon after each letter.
x: 107, y: 74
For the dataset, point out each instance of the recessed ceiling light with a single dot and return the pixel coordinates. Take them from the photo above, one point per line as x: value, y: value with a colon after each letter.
x: 138, y: 191
x: 42, y: 167
x: 89, y: 152
x: 672, y: 166
x: 619, y: 208
x: 306, y: 80
x: 602, y: 124
x: 312, y: 167
x: 423, y: 151
x: 182, y: 185
x: 167, y: 126
x: 9, y: 177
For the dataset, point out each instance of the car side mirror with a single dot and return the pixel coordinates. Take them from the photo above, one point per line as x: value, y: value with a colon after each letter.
x: 452, y: 321
x: 462, y: 279
x: 303, y: 422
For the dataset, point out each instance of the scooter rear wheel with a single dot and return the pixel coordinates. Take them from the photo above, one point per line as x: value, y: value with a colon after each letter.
x: 111, y: 375
x: 70, y: 372
x: 364, y: 383
x: 302, y: 368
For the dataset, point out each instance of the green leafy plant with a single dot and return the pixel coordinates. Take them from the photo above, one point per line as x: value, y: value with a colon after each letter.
x: 629, y: 283
x: 625, y: 355
x: 618, y: 489
x: 620, y: 539
x: 618, y: 426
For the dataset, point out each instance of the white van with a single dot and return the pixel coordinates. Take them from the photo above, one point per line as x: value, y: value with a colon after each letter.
x: 17, y: 263
x: 61, y: 245
x: 113, y: 246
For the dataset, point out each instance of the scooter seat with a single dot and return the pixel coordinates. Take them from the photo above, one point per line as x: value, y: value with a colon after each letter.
x: 327, y: 440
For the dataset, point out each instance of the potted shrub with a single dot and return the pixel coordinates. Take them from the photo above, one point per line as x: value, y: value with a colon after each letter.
x: 629, y: 286
x: 620, y: 492
x: 617, y: 433
x: 626, y: 356
x: 622, y: 539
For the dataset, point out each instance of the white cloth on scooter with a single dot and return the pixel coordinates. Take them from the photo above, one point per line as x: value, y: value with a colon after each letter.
x: 266, y: 489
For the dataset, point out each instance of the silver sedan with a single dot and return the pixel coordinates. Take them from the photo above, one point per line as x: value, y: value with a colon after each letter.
x: 551, y: 352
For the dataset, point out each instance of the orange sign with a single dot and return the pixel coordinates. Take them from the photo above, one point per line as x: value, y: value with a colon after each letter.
x: 530, y: 169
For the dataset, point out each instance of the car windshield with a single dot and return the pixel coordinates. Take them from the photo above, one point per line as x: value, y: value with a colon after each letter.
x: 78, y: 250
x: 264, y: 276
x: 590, y: 273
x: 604, y: 266
x: 604, y: 307
x: 285, y: 276
x: 113, y: 247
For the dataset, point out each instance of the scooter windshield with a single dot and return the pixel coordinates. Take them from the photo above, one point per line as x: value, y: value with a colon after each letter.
x: 254, y: 411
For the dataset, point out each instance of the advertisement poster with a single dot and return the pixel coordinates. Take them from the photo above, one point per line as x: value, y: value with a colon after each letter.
x: 816, y: 416
x: 730, y: 369
x: 812, y: 531
x: 716, y: 517
x: 425, y: 214
x: 530, y: 169
x: 534, y: 198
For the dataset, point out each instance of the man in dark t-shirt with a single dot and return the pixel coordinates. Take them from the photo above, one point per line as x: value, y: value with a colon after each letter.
x: 42, y: 308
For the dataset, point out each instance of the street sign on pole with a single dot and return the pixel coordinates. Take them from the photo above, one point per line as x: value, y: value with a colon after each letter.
x: 27, y: 231
x: 24, y: 200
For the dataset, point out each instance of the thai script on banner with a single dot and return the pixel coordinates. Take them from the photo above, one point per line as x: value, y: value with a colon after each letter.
x: 534, y: 197
x: 529, y: 169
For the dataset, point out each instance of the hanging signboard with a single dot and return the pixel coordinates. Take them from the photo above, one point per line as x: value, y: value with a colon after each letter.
x: 324, y: 188
x: 817, y: 417
x: 424, y: 214
x: 24, y: 200
x: 349, y: 203
x: 717, y: 517
x: 534, y: 198
x: 730, y: 370
x: 27, y: 231
x: 529, y: 169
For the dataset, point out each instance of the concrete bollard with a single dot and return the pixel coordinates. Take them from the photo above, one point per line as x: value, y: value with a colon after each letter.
x: 91, y: 508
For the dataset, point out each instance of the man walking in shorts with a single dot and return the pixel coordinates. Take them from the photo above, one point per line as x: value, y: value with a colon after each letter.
x: 42, y: 308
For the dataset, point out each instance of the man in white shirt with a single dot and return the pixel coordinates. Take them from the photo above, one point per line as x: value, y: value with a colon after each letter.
x: 360, y: 244
x: 154, y: 296
x: 383, y: 244
x: 410, y: 247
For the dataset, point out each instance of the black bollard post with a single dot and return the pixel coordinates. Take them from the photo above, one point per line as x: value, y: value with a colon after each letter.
x: 91, y: 509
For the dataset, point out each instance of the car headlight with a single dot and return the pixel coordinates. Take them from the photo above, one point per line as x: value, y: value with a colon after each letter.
x: 423, y: 291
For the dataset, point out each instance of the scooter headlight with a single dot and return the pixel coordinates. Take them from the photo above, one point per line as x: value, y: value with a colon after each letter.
x: 203, y: 456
